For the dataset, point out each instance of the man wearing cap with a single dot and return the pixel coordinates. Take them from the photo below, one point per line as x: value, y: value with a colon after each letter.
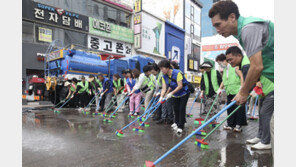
x: 209, y: 85
x: 106, y: 92
x: 256, y: 36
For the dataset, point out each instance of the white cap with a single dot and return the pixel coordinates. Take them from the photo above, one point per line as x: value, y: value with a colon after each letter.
x: 67, y: 83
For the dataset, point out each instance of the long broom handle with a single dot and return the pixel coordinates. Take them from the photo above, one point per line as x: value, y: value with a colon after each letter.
x: 212, y: 107
x: 254, y: 109
x: 189, y: 136
x: 194, y: 102
x: 92, y: 100
x: 139, y: 105
x: 111, y: 104
x: 200, y: 106
x: 154, y: 109
x: 64, y: 103
x: 123, y: 101
x: 135, y: 119
x: 153, y: 104
x: 224, y: 120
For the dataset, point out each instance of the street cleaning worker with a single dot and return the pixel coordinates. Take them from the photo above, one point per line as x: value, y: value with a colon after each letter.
x: 82, y: 93
x: 135, y: 98
x: 98, y: 91
x: 256, y: 36
x: 145, y: 83
x: 158, y: 85
x: 93, y: 86
x: 174, y: 85
x: 106, y: 92
x: 262, y: 141
x: 232, y: 80
x: 118, y: 86
x: 209, y: 85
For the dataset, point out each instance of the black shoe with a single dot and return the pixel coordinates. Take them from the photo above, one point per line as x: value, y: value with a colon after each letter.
x: 160, y: 121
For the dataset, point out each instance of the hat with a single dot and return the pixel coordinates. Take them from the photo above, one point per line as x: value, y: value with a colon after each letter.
x: 67, y: 83
x: 206, y: 65
x: 82, y: 77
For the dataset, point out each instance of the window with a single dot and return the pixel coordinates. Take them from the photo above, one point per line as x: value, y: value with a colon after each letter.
x: 187, y: 8
x: 196, y: 30
x: 197, y: 12
x: 187, y: 25
x: 27, y: 34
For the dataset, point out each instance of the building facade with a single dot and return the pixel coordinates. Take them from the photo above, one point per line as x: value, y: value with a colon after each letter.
x: 208, y: 29
x: 100, y: 26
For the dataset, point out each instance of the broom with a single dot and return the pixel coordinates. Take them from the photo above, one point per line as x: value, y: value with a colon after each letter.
x: 254, y: 110
x: 57, y: 110
x: 149, y: 107
x: 201, y: 142
x: 120, y: 132
x: 123, y: 101
x: 188, y: 114
x: 142, y: 124
x: 152, y: 164
x: 199, y: 121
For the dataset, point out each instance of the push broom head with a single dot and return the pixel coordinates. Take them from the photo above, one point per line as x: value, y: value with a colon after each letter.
x: 146, y: 124
x: 149, y: 164
x: 199, y: 121
x: 57, y: 111
x: 213, y: 124
x: 201, y: 143
x: 189, y: 115
x: 119, y: 133
x: 138, y: 129
x: 95, y: 113
x: 201, y: 132
x: 107, y: 120
x: 131, y: 116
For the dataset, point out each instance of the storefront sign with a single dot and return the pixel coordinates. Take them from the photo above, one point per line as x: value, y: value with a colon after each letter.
x: 138, y: 6
x: 56, y: 16
x: 44, y: 34
x: 137, y: 18
x: 109, y: 46
x: 137, y: 43
x: 109, y: 30
x: 137, y: 29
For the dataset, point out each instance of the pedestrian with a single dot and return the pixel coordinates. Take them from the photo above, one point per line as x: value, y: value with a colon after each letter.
x: 118, y: 86
x: 135, y: 97
x: 262, y: 140
x: 144, y: 82
x: 174, y: 85
x: 232, y: 80
x: 209, y: 85
x: 106, y: 92
x: 82, y: 93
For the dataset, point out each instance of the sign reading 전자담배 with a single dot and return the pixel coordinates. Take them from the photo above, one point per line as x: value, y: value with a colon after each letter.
x: 52, y: 15
x: 109, y: 30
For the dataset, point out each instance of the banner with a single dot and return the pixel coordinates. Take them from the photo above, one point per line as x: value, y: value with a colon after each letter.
x: 109, y: 30
x: 44, y: 34
x: 109, y: 46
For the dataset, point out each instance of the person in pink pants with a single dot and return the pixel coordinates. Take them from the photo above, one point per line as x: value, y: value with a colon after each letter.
x: 135, y: 98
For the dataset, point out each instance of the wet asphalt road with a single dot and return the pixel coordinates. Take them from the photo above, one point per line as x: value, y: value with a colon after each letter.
x: 73, y: 139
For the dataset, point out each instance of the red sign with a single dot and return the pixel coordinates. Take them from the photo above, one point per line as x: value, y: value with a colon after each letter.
x: 217, y: 47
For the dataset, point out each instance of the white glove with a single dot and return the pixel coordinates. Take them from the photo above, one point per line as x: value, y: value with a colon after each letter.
x: 219, y: 91
x: 160, y: 99
x: 102, y: 94
x: 72, y: 96
x: 158, y: 93
x: 169, y: 95
x: 196, y: 94
x: 130, y: 94
x: 253, y: 94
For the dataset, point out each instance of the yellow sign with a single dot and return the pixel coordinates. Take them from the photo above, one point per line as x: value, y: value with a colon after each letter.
x: 191, y: 64
x: 137, y: 19
x: 138, y: 6
x: 45, y: 34
x: 197, y: 79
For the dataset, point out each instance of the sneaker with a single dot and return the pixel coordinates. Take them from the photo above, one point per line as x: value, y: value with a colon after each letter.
x: 120, y: 110
x: 227, y: 127
x: 130, y: 113
x: 261, y: 146
x: 253, y: 141
x: 179, y: 130
x: 175, y: 128
x: 135, y: 114
x: 174, y: 125
x: 238, y: 128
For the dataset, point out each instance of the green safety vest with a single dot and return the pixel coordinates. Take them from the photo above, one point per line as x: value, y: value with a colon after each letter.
x: 158, y: 79
x: 84, y: 87
x: 231, y: 83
x: 94, y: 86
x: 149, y: 82
x: 267, y: 51
x: 73, y: 87
x: 267, y: 85
x: 118, y: 85
x: 214, y: 81
x: 99, y: 82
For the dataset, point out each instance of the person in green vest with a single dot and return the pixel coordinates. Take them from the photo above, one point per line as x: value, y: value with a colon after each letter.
x: 71, y: 92
x: 232, y: 79
x: 144, y: 82
x: 209, y: 85
x: 118, y: 86
x: 262, y: 140
x: 99, y: 87
x: 82, y: 93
